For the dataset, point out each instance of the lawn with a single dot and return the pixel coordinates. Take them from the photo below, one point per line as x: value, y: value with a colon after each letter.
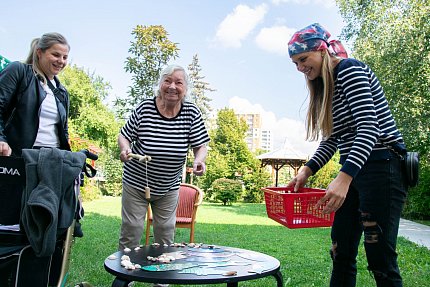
x: 303, y: 253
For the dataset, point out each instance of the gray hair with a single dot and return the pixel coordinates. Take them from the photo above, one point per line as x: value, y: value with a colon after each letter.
x: 43, y: 43
x: 168, y: 71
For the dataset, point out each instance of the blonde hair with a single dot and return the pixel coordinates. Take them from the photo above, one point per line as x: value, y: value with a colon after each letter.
x: 43, y: 43
x: 319, y: 119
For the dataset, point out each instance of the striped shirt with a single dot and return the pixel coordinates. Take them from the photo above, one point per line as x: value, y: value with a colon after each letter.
x: 166, y: 140
x: 363, y: 126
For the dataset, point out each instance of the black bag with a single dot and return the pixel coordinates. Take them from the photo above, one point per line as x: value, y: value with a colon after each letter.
x: 412, y: 161
x: 12, y: 183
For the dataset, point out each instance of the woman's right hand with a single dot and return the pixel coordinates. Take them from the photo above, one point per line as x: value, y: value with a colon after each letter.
x: 5, y: 149
x: 300, y: 179
x: 123, y: 156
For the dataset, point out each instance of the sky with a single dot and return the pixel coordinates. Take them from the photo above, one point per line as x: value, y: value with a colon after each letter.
x: 241, y: 47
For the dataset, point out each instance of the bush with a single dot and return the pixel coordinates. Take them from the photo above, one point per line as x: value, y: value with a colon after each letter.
x: 226, y: 190
x: 113, y: 177
x: 90, y: 190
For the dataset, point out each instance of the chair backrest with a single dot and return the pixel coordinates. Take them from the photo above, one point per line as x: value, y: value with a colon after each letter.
x: 190, y: 197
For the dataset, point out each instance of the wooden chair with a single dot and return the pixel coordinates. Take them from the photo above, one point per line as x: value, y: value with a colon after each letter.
x: 190, y: 197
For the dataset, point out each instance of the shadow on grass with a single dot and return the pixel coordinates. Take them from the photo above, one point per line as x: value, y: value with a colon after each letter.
x: 303, y: 253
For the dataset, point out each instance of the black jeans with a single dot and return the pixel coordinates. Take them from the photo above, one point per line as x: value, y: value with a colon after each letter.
x: 372, y: 206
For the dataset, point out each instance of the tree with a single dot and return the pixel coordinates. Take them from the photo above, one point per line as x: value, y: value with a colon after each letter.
x: 150, y: 51
x: 326, y: 174
x: 229, y: 140
x: 226, y: 190
x: 392, y: 37
x: 93, y: 122
x: 199, y: 88
x: 90, y: 118
x: 230, y: 157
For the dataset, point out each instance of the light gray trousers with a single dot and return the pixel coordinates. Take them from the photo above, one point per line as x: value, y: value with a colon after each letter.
x: 133, y: 213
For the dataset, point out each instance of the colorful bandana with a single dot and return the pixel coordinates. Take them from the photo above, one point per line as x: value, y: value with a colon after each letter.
x: 311, y: 38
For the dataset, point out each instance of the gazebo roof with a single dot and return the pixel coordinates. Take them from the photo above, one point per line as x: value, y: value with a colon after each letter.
x: 282, y: 154
x: 281, y: 157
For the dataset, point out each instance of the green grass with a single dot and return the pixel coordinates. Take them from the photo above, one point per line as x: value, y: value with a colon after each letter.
x: 425, y: 222
x: 303, y: 253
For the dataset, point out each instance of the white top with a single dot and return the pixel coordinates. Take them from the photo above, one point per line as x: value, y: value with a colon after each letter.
x: 47, y: 135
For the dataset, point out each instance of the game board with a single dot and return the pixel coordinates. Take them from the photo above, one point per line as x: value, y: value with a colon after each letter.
x: 201, y: 260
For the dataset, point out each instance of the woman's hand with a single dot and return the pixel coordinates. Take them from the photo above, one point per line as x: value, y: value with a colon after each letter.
x: 123, y: 155
x: 300, y: 179
x: 5, y: 149
x: 336, y: 193
x: 199, y: 168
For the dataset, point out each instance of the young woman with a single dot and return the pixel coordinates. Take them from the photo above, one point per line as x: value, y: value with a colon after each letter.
x: 33, y: 104
x: 349, y: 111
x: 34, y: 109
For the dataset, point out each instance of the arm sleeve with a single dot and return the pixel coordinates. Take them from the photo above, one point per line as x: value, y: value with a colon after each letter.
x: 198, y: 133
x: 355, y: 82
x: 10, y: 79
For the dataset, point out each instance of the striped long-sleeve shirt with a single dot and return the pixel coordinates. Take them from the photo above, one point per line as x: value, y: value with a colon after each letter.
x: 166, y: 140
x: 363, y: 126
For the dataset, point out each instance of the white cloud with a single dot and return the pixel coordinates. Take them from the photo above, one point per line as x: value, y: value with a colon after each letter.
x: 325, y: 3
x: 275, y: 39
x: 239, y: 24
x: 286, y: 132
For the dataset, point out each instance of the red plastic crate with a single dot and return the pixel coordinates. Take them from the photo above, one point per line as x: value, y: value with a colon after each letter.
x: 296, y: 209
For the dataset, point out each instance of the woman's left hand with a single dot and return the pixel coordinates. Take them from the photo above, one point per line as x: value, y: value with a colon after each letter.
x: 336, y: 193
x: 199, y: 168
x: 5, y: 149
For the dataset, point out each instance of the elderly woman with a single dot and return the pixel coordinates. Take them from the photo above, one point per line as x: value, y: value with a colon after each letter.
x: 163, y: 129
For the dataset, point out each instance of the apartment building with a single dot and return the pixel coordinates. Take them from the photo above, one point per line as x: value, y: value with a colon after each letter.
x: 256, y: 137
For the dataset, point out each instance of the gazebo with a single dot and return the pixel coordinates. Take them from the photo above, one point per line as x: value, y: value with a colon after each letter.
x: 280, y: 158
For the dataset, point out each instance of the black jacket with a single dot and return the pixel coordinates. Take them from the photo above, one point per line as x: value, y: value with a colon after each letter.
x: 21, y: 96
x: 49, y: 199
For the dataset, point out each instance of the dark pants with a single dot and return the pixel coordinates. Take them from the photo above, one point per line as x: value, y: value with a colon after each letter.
x: 373, y: 206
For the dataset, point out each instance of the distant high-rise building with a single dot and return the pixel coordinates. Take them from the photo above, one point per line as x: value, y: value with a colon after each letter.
x: 256, y: 137
x: 266, y: 140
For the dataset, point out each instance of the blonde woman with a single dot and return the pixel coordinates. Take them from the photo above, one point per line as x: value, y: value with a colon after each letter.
x: 33, y: 103
x: 349, y: 112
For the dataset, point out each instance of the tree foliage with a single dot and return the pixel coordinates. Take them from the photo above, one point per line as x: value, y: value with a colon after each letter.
x: 93, y: 123
x: 149, y: 52
x: 199, y: 88
x: 393, y: 38
x: 226, y: 190
x: 229, y: 157
x: 326, y: 174
x: 89, y: 117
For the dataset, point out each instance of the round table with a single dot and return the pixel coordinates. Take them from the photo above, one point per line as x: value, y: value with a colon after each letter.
x: 206, y: 264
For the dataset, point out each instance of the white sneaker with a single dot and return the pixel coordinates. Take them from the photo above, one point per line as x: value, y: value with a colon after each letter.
x: 131, y: 284
x: 160, y: 285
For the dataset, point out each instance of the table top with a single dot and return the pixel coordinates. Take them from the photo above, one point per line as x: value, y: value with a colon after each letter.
x: 206, y: 264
